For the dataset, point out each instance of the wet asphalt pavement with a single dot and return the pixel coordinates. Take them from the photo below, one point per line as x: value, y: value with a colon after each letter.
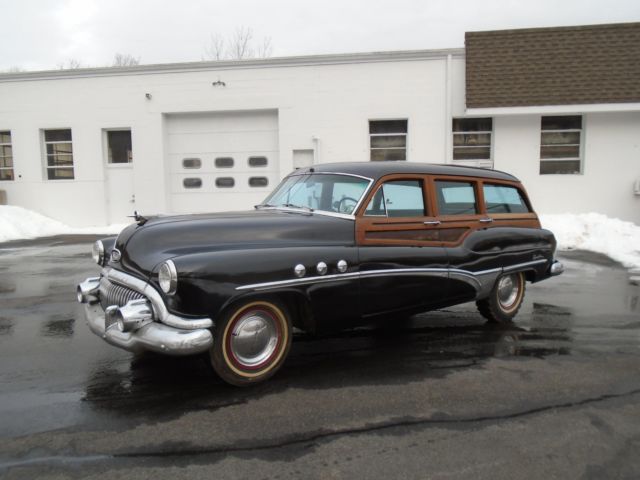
x: 440, y: 395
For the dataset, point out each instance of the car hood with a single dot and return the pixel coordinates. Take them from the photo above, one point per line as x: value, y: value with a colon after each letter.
x: 143, y: 246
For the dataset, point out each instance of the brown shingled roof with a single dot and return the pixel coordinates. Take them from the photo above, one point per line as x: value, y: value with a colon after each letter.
x: 553, y: 66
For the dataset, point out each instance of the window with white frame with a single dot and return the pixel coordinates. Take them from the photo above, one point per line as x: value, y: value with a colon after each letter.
x: 472, y: 141
x: 59, y: 154
x: 561, y: 144
x: 119, y: 148
x: 388, y: 139
x: 6, y: 156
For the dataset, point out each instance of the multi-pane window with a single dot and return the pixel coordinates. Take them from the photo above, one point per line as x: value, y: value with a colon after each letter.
x: 560, y: 144
x: 388, y: 139
x: 472, y: 139
x: 59, y: 154
x: 119, y: 145
x: 6, y: 156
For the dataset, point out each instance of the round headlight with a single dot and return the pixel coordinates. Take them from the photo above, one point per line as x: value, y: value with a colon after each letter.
x: 168, y: 277
x: 98, y: 252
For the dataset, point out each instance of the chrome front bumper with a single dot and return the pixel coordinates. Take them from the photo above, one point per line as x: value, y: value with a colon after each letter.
x: 142, y: 324
x: 153, y: 336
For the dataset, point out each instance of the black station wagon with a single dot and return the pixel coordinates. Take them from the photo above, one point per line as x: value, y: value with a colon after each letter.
x: 334, y: 246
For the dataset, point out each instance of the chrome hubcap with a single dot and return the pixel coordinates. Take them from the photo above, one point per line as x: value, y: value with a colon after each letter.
x: 508, y: 290
x: 254, y: 338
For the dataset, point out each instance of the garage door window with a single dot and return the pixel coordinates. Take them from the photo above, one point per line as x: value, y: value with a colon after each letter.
x: 258, y: 182
x: 191, y: 163
x: 59, y: 154
x: 258, y: 161
x: 6, y: 156
x: 224, y: 162
x: 192, y: 183
x: 225, y: 182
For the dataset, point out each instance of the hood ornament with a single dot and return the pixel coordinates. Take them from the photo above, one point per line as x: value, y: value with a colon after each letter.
x: 138, y: 218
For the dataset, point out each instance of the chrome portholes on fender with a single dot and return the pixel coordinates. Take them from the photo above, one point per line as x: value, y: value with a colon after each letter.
x: 251, y: 341
x: 299, y: 270
x: 505, y: 298
x: 342, y: 266
x: 321, y: 268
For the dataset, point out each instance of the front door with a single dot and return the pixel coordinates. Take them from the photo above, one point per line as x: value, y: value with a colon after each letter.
x: 119, y: 191
x: 402, y: 263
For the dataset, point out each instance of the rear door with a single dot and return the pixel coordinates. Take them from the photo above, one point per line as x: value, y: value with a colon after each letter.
x: 402, y: 263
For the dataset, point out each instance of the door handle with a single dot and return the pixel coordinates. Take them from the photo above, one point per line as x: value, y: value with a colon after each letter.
x: 486, y: 220
x: 432, y: 222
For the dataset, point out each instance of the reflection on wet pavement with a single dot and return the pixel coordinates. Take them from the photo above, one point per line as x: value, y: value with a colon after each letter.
x: 54, y: 373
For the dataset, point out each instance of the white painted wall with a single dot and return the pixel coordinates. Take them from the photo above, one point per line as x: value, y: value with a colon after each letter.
x: 331, y: 102
x: 611, y: 156
x: 322, y: 108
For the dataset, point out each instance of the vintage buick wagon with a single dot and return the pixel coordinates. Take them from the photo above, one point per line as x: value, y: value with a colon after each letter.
x: 333, y: 246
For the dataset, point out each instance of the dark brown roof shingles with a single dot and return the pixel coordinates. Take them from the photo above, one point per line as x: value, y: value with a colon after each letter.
x: 553, y: 66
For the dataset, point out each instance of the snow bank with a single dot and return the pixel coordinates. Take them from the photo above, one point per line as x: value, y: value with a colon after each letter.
x: 615, y: 238
x: 17, y: 223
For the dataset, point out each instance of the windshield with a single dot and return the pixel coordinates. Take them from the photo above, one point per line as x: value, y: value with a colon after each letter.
x: 319, y: 191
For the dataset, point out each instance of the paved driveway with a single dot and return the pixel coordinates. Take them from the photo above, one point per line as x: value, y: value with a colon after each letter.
x: 440, y: 396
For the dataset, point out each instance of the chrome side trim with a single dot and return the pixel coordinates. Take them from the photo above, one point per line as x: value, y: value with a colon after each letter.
x: 520, y: 266
x: 297, y: 174
x: 482, y: 281
x: 159, y: 308
x: 311, y: 212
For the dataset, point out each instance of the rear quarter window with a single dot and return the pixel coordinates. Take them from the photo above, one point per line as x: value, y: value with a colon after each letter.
x: 504, y: 199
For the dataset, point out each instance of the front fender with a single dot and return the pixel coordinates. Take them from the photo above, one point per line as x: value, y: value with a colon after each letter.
x: 209, y: 281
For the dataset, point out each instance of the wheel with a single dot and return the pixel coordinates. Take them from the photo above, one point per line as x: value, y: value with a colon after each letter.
x: 251, y: 342
x: 505, y: 298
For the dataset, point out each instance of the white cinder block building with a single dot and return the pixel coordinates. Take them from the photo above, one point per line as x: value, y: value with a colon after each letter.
x: 559, y: 108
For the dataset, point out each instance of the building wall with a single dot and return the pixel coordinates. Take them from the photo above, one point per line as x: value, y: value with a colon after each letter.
x: 326, y: 107
x: 611, y: 164
x: 323, y: 108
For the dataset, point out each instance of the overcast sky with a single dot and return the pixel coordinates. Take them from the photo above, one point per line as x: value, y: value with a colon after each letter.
x: 40, y: 34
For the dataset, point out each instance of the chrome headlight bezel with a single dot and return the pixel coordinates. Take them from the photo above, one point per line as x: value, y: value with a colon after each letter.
x: 168, y: 277
x: 97, y: 252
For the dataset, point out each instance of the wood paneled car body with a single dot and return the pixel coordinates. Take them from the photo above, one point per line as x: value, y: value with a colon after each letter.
x: 333, y: 246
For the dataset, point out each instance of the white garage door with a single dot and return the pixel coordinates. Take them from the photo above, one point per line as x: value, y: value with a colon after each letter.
x: 221, y: 161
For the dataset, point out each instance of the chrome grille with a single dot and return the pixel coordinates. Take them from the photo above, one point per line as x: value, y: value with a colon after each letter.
x: 116, y: 294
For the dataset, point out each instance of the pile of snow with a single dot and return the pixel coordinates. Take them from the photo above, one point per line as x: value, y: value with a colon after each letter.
x: 17, y: 223
x: 615, y: 238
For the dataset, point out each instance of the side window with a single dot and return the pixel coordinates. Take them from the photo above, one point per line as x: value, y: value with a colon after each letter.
x: 398, y: 198
x: 504, y: 199
x: 456, y: 198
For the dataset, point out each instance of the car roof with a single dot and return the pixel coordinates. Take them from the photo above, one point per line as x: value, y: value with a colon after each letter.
x: 375, y: 170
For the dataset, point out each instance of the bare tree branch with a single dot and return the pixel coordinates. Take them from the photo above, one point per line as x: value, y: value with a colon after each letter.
x: 266, y: 49
x: 14, y: 69
x: 125, y: 60
x: 240, y: 45
x: 70, y: 64
x: 216, y: 48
